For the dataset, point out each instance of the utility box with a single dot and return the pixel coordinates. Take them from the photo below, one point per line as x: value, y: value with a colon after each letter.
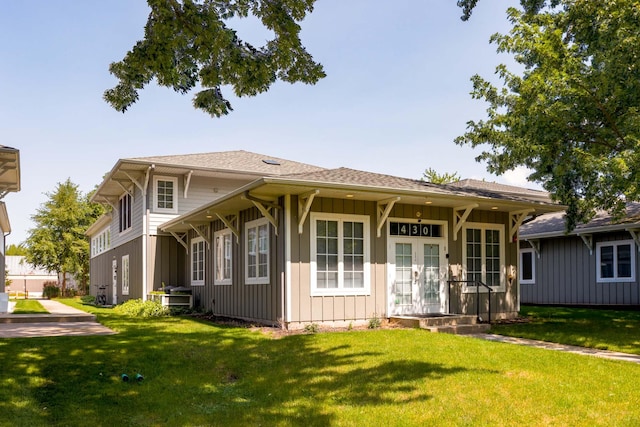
x: 4, y: 302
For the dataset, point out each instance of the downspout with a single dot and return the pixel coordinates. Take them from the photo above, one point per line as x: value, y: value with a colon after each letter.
x: 145, y: 234
x: 286, y: 302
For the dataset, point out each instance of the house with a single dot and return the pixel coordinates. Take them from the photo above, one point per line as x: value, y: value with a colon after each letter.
x: 277, y: 245
x: 129, y: 255
x: 594, y: 265
x: 25, y: 278
x: 9, y: 182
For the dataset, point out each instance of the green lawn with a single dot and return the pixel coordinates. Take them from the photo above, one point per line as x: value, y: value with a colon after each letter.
x: 615, y: 330
x: 197, y: 373
x: 28, y: 306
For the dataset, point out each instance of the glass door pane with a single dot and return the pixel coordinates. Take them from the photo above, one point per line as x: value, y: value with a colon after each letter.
x: 404, y: 272
x: 431, y: 276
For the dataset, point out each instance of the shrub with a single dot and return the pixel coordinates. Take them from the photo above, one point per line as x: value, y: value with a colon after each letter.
x: 88, y: 299
x: 50, y: 291
x: 139, y: 308
x: 312, y: 328
x: 375, y: 322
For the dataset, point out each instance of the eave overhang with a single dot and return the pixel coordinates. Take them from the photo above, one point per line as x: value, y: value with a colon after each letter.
x: 9, y: 170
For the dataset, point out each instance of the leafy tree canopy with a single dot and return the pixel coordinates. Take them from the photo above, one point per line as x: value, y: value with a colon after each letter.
x: 572, y: 115
x: 189, y: 42
x: 431, y: 175
x: 19, y: 250
x: 58, y: 242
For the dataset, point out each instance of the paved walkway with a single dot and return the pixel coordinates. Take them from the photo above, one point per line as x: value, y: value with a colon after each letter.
x: 62, y: 320
x: 613, y: 355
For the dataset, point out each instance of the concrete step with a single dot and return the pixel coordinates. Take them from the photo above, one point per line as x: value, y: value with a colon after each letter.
x: 478, y: 328
x: 428, y: 321
x: 46, y: 318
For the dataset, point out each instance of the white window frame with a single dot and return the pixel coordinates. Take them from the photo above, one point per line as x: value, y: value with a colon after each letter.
x: 174, y: 181
x: 196, y: 241
x: 126, y: 275
x: 101, y: 242
x: 257, y: 280
x: 531, y: 281
x: 484, y: 227
x: 615, y: 278
x: 221, y: 236
x: 128, y: 220
x: 340, y: 290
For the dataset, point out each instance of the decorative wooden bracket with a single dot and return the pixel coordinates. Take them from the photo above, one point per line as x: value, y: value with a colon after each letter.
x: 187, y: 182
x: 201, y: 234
x: 111, y: 203
x: 460, y: 215
x: 515, y: 221
x: 229, y: 223
x: 535, y: 244
x: 384, y: 209
x: 128, y: 190
x: 264, y: 206
x: 135, y: 181
x: 180, y: 240
x: 635, y: 235
x: 304, y: 206
x: 588, y: 241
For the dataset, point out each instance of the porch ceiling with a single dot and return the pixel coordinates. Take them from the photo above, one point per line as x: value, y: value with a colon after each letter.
x: 9, y: 170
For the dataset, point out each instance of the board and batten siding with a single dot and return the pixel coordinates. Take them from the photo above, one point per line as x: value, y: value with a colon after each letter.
x: 253, y: 302
x: 101, y: 271
x: 566, y: 274
x: 167, y: 263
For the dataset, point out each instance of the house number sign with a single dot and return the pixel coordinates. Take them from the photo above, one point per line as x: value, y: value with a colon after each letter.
x: 414, y: 230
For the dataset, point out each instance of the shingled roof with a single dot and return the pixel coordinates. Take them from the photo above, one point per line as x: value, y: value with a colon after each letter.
x: 553, y: 224
x: 236, y: 161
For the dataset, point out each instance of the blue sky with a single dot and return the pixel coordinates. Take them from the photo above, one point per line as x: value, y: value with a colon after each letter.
x: 396, y: 94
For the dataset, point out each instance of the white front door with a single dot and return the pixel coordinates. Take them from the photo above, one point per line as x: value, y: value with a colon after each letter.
x: 114, y: 272
x: 417, y: 276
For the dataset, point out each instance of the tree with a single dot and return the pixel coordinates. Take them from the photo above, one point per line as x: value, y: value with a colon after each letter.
x: 573, y: 115
x: 19, y: 250
x: 188, y: 43
x: 431, y: 175
x: 58, y: 242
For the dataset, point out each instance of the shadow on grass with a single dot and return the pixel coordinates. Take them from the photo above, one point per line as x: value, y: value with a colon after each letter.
x: 198, y: 374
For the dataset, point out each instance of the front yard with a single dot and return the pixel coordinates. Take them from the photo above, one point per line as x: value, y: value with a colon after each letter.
x: 196, y: 373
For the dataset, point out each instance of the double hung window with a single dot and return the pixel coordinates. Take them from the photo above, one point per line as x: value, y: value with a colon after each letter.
x: 483, y: 254
x: 223, y: 257
x: 124, y: 212
x: 257, y: 252
x: 197, y: 261
x: 616, y: 261
x: 165, y: 194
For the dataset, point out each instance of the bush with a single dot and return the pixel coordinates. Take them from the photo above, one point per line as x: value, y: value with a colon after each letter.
x: 139, y: 308
x: 88, y: 299
x: 50, y: 291
x: 375, y: 322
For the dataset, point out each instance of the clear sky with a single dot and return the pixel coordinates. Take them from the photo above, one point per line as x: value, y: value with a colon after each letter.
x: 396, y: 94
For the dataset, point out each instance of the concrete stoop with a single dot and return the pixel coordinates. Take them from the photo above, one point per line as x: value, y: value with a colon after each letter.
x: 444, y: 323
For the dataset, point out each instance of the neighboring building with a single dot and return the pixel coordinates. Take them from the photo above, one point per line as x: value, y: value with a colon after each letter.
x: 594, y: 265
x: 25, y: 278
x: 9, y: 182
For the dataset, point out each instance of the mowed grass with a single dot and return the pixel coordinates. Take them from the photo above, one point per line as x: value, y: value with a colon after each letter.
x: 196, y: 374
x: 614, y: 330
x: 29, y: 306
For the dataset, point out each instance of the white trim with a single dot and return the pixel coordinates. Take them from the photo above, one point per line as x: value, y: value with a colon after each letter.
x: 340, y: 290
x: 287, y: 259
x: 101, y: 242
x: 195, y: 241
x: 126, y: 274
x: 484, y: 227
x: 218, y: 257
x: 615, y: 278
x: 523, y: 281
x: 174, y: 194
x: 257, y: 280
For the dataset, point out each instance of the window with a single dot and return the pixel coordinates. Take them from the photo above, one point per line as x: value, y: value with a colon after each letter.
x: 125, y: 275
x: 339, y: 254
x: 101, y: 242
x: 527, y: 266
x: 257, y: 252
x: 165, y: 195
x: 197, y: 261
x: 616, y: 261
x: 124, y: 210
x: 223, y: 260
x: 483, y: 253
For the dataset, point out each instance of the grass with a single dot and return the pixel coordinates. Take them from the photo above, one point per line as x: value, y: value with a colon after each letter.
x: 198, y: 373
x: 29, y: 306
x: 615, y: 330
